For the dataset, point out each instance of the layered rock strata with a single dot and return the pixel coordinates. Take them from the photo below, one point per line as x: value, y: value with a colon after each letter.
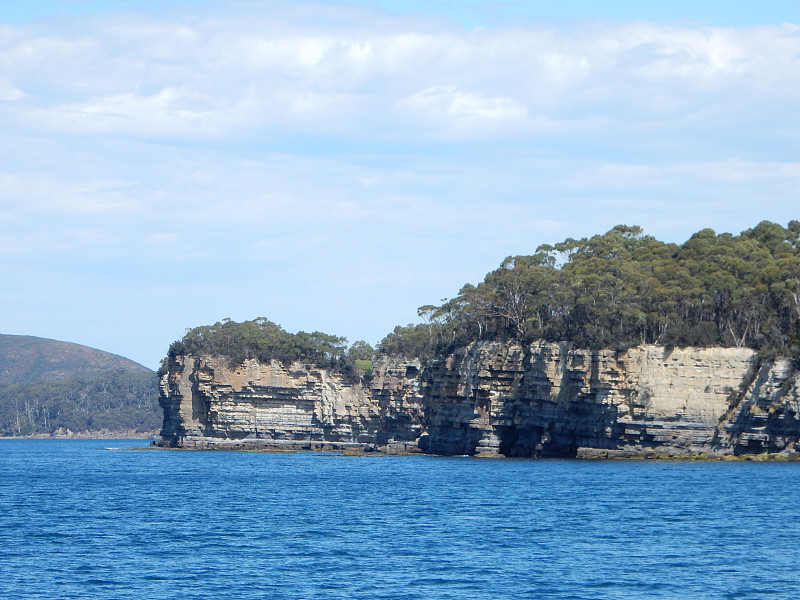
x: 209, y: 403
x: 496, y: 399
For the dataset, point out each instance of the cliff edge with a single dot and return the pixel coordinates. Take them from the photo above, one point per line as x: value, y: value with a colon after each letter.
x: 494, y: 398
x: 208, y: 403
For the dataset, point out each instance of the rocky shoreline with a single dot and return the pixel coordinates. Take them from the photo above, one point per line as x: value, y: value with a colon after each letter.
x: 790, y: 454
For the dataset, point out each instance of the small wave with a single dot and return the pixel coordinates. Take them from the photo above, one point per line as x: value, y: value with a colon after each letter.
x: 101, y: 582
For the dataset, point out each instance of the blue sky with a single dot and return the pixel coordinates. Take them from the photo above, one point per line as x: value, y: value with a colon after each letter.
x: 472, y: 13
x: 334, y: 165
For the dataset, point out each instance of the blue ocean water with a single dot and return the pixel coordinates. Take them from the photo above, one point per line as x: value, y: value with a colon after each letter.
x: 80, y: 521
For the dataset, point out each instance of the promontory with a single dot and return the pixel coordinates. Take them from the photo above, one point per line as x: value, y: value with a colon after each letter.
x: 614, y: 345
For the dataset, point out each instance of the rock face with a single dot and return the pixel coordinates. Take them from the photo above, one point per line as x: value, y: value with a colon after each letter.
x: 550, y: 400
x: 497, y: 399
x: 209, y: 403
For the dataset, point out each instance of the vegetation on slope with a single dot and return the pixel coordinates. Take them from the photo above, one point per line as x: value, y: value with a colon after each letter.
x: 48, y: 387
x: 115, y: 401
x: 264, y: 340
x: 623, y: 288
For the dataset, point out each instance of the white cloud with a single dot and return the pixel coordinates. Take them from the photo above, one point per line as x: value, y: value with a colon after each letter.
x: 475, y: 105
x: 464, y: 110
x: 10, y: 93
x: 170, y: 111
x: 221, y: 78
x: 25, y: 53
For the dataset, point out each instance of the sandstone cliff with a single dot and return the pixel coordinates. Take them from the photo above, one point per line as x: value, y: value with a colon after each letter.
x: 209, y: 403
x: 496, y: 399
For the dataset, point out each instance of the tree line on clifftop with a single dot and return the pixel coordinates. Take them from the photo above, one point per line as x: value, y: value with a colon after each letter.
x: 613, y: 290
x: 264, y: 340
x: 624, y: 288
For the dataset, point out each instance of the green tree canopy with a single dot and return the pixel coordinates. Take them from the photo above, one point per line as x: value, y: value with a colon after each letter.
x: 624, y: 288
x: 264, y: 340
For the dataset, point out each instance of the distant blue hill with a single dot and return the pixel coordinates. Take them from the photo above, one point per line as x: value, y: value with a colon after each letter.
x: 50, y: 387
x: 26, y: 359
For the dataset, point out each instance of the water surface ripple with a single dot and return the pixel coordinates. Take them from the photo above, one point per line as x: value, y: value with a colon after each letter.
x: 80, y: 521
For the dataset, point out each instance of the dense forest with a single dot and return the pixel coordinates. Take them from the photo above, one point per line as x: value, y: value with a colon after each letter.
x: 114, y: 401
x: 624, y: 288
x: 264, y: 340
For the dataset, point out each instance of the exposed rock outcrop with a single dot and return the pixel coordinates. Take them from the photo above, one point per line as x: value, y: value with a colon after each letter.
x: 496, y: 399
x: 209, y: 403
x: 550, y: 400
x: 766, y: 417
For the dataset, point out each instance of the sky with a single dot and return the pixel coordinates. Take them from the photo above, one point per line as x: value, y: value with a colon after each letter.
x: 333, y: 165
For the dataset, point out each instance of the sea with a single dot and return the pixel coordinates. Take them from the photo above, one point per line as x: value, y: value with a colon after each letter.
x: 92, y: 519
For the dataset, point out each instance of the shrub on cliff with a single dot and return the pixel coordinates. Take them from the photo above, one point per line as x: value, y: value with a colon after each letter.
x: 264, y: 340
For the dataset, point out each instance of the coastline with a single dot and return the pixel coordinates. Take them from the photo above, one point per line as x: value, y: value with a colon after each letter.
x: 355, y: 449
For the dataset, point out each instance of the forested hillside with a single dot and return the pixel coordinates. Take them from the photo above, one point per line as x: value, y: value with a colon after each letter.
x: 624, y: 288
x: 48, y: 387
